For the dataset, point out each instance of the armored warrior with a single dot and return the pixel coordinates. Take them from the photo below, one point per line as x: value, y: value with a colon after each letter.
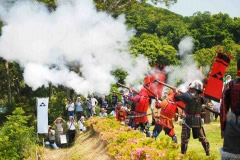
x: 142, y: 102
x: 164, y: 120
x: 121, y: 113
x: 230, y: 119
x: 192, y: 118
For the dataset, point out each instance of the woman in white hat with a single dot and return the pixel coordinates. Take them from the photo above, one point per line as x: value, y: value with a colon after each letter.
x: 59, y: 128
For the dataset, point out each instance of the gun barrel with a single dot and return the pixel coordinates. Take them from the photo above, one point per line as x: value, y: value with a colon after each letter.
x: 155, y: 96
x: 118, y: 93
x: 121, y: 85
x: 165, y: 84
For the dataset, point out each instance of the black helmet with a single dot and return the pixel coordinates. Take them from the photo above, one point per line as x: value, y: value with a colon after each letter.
x: 196, y: 85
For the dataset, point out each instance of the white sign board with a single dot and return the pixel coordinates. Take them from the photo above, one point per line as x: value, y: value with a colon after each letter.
x: 63, y: 139
x: 42, y: 115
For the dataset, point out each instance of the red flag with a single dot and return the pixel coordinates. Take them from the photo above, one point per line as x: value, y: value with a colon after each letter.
x: 214, y: 83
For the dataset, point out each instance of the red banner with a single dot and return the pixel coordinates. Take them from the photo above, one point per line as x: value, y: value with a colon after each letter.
x: 214, y: 83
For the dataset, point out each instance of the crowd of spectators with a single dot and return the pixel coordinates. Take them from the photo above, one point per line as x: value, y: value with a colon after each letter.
x: 77, y: 112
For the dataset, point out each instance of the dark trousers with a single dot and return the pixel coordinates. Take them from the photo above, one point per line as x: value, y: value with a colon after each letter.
x: 158, y: 129
x: 71, y: 136
x: 144, y: 127
x: 89, y: 112
x: 131, y: 123
x: 198, y: 132
x: 70, y: 113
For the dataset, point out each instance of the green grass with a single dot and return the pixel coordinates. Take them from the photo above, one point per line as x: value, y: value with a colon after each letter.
x: 213, y: 134
x: 87, y: 146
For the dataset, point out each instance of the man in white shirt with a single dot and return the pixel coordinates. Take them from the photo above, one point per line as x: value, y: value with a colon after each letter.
x: 94, y: 102
x: 70, y: 107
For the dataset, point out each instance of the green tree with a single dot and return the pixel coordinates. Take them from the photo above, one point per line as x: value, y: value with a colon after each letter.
x: 145, y: 18
x: 120, y: 75
x: 236, y: 30
x: 173, y: 29
x: 16, y: 138
x: 205, y: 56
x: 116, y: 6
x: 57, y: 106
x: 154, y: 49
x: 210, y: 30
x: 235, y: 52
x: 11, y: 78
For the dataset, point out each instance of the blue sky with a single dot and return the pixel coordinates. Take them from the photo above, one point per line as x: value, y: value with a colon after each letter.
x: 188, y: 7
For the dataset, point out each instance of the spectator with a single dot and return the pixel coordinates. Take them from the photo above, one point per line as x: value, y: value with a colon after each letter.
x: 125, y: 100
x: 216, y: 108
x: 94, y: 102
x: 82, y: 128
x: 114, y: 100
x: 71, y: 130
x: 70, y: 108
x: 51, y: 138
x: 79, y: 108
x: 103, y: 102
x: 103, y: 113
x: 59, y: 129
x: 208, y: 116
x: 228, y: 79
x: 89, y: 108
x: 113, y: 113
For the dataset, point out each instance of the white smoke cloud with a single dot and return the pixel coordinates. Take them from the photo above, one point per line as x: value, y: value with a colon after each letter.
x: 186, y: 46
x: 75, y: 33
x: 187, y: 71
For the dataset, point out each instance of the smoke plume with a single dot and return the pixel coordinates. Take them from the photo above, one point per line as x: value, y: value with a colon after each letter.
x: 45, y: 43
x: 187, y: 71
x: 186, y: 46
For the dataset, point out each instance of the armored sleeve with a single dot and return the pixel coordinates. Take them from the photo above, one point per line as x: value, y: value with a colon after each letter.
x: 182, y: 97
x: 135, y: 98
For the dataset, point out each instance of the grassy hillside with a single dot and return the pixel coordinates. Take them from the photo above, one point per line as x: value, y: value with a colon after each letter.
x: 88, y: 146
x: 97, y: 146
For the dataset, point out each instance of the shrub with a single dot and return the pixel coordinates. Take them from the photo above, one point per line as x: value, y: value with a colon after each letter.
x: 125, y: 143
x: 16, y: 138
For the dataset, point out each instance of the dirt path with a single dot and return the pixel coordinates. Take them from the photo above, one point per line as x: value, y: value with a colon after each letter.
x: 87, y: 146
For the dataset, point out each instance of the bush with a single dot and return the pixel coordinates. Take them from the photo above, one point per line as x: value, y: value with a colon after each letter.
x: 16, y: 138
x: 125, y: 143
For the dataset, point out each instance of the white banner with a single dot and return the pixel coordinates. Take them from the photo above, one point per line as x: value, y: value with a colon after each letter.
x: 42, y: 115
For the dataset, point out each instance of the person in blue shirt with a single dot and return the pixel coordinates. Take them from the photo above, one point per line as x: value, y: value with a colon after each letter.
x: 79, y: 108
